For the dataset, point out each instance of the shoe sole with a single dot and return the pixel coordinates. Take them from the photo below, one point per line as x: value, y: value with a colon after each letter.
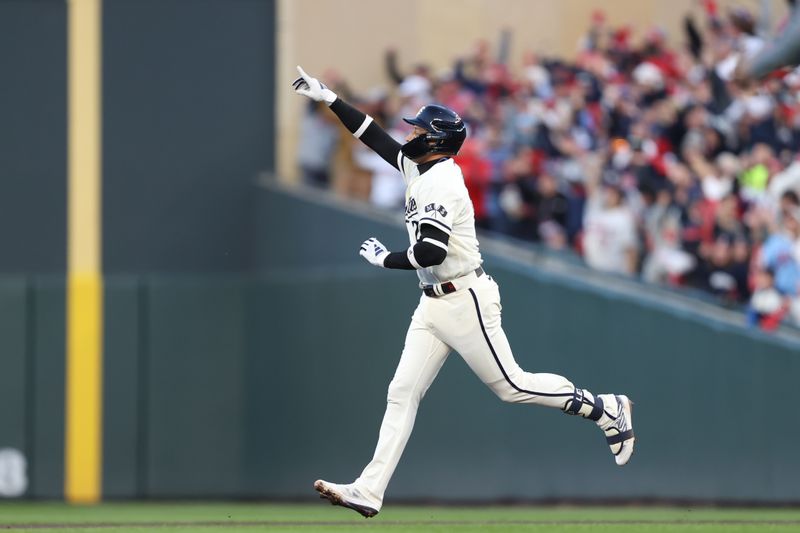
x: 336, y: 499
x: 627, y: 406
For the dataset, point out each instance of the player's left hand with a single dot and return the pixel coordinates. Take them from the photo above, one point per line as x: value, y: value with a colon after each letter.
x: 374, y: 251
x: 312, y: 88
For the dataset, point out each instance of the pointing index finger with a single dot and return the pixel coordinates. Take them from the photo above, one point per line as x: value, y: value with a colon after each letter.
x: 302, y: 72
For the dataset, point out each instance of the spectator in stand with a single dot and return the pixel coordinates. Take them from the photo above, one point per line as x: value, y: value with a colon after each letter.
x: 779, y: 254
x: 789, y: 203
x: 753, y: 181
x: 767, y: 307
x: 688, y: 154
x: 387, y: 188
x: 320, y: 136
x: 719, y: 274
x: 497, y: 152
x: 727, y: 222
x: 393, y: 69
x: 666, y: 260
x: 477, y: 170
x: 609, y: 237
x: 550, y: 208
x: 784, y: 186
x: 516, y: 196
x: 740, y: 269
x: 414, y: 90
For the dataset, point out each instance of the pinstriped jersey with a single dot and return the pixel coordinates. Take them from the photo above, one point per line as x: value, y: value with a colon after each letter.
x: 439, y: 198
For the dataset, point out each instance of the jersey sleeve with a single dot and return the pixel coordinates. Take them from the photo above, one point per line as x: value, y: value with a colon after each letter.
x: 438, y: 207
x: 405, y: 165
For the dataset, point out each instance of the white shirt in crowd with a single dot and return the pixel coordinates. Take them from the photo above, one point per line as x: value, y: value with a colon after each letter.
x: 609, y: 235
x: 388, y: 188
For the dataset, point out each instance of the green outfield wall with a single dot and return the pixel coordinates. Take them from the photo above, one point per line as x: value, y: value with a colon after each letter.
x: 706, y: 389
x: 257, y: 383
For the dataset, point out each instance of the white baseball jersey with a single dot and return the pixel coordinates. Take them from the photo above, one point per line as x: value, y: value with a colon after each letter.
x: 439, y: 198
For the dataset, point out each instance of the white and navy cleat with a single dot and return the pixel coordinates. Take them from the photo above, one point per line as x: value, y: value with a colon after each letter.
x: 346, y: 496
x: 619, y: 433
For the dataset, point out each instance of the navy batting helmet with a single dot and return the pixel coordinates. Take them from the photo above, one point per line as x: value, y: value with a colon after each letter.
x: 445, y: 132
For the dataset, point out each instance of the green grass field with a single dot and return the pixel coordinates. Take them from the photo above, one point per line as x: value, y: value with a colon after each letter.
x: 216, y: 517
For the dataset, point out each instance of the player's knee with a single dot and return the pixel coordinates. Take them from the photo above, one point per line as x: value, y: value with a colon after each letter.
x: 401, y: 393
x: 505, y: 392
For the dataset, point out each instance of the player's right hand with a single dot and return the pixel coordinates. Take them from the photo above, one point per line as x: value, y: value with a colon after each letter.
x: 374, y: 251
x: 313, y: 88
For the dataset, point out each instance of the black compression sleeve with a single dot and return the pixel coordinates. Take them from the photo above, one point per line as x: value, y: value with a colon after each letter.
x: 373, y: 136
x: 351, y: 117
x: 398, y: 260
x: 426, y: 253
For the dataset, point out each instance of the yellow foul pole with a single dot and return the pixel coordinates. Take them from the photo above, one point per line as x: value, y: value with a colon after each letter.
x: 83, y: 438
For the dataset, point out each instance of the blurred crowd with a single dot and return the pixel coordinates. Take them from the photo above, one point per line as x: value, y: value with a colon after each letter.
x: 646, y: 159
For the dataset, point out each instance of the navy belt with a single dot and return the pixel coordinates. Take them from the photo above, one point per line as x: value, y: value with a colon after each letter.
x: 447, y: 287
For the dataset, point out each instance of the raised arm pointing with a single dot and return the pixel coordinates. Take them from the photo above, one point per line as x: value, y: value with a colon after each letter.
x: 359, y: 124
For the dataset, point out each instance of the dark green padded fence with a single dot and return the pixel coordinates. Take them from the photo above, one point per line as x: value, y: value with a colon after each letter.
x: 32, y: 343
x: 254, y: 385
x: 706, y: 391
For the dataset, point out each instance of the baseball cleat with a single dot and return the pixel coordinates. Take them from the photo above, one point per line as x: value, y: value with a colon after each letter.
x: 346, y: 496
x: 619, y: 434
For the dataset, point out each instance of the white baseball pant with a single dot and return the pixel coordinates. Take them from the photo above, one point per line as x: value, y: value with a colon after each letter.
x: 467, y: 321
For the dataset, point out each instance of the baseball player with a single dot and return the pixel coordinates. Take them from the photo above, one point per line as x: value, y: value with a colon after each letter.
x: 459, y: 308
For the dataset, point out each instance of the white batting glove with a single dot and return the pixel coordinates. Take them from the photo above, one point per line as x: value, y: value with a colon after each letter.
x: 313, y: 88
x: 374, y: 251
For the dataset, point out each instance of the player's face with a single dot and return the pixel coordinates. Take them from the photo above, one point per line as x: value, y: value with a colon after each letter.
x: 416, y: 132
